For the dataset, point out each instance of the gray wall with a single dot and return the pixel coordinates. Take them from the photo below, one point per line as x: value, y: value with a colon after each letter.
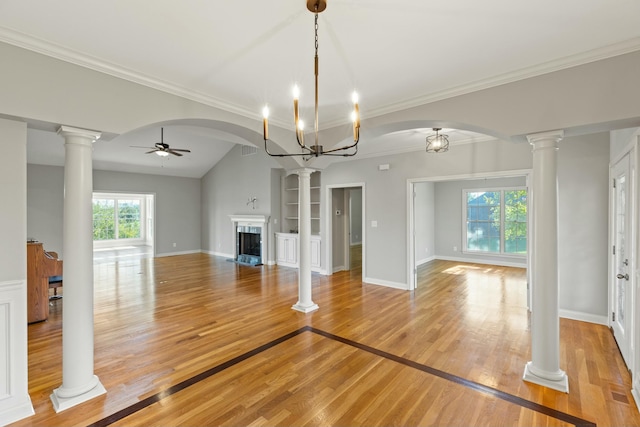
x: 355, y: 215
x: 385, y: 197
x: 177, y: 206
x: 13, y: 183
x: 582, y: 182
x: 583, y: 204
x: 45, y: 205
x: 448, y: 213
x: 225, y: 191
x: 424, y: 214
x: 337, y: 228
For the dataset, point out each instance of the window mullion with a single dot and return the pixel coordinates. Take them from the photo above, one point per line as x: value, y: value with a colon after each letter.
x: 117, y: 221
x: 502, y: 224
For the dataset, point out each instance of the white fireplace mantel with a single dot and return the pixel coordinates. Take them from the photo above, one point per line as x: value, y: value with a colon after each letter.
x: 257, y: 221
x: 249, y: 219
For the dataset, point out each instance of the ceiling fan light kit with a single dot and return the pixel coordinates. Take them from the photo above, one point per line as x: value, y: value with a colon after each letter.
x: 163, y: 150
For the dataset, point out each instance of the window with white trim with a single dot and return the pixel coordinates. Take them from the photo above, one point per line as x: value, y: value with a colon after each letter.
x: 495, y: 221
x: 118, y: 217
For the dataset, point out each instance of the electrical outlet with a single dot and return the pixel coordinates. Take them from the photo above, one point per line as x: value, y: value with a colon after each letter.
x: 455, y: 249
x: 174, y: 244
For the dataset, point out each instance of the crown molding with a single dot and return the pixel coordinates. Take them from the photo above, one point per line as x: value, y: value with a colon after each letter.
x: 53, y: 50
x: 627, y: 46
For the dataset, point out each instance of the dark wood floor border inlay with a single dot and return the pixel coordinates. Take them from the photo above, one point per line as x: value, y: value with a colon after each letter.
x: 562, y: 416
x: 123, y: 413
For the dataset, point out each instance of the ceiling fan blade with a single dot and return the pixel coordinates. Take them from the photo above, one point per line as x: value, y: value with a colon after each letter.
x: 170, y: 150
x: 183, y: 150
x: 152, y: 151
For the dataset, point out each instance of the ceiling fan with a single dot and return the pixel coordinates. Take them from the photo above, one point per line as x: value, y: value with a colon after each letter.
x: 162, y: 149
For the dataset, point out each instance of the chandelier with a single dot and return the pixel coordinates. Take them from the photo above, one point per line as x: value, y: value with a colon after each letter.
x: 437, y: 143
x: 315, y: 150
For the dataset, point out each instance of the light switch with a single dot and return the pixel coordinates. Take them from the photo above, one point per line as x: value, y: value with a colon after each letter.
x: 374, y: 224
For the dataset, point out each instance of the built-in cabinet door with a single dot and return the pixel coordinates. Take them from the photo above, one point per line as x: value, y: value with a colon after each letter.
x: 287, y: 250
x: 292, y: 250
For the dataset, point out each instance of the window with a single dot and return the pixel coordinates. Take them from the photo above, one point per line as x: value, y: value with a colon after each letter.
x: 117, y: 218
x: 495, y: 221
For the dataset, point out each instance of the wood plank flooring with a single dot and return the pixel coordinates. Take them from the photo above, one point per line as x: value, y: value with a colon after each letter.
x: 196, y: 340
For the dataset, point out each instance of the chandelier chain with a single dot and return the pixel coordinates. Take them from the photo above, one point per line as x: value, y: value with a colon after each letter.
x: 315, y: 6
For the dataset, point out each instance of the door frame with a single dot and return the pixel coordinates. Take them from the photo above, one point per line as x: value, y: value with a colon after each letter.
x: 328, y: 233
x: 633, y: 335
x: 411, y: 258
x: 625, y: 342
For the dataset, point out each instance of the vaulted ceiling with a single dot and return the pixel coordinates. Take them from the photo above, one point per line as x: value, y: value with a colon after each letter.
x: 240, y: 55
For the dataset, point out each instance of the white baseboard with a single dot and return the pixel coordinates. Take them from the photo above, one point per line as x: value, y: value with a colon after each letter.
x: 425, y: 260
x: 483, y: 261
x: 387, y: 283
x: 584, y: 317
x: 221, y: 254
x: 178, y: 253
x: 338, y: 268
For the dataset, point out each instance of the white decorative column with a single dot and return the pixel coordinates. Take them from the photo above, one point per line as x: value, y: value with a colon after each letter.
x: 544, y: 367
x: 304, y: 304
x: 79, y: 384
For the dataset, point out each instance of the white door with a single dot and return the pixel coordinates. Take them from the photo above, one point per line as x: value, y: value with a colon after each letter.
x: 621, y: 292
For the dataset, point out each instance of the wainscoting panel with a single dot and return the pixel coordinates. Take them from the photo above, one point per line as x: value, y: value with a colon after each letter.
x: 15, y: 402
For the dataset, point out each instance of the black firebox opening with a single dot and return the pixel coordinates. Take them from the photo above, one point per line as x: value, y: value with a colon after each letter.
x: 249, y: 244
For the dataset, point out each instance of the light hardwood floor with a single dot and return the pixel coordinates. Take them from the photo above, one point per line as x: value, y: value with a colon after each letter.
x: 194, y: 340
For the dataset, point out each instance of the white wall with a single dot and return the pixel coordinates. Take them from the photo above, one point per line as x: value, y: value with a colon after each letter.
x: 448, y: 213
x: 14, y: 395
x: 225, y: 191
x: 177, y: 211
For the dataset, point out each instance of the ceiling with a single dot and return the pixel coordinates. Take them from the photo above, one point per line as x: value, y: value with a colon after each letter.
x: 241, y: 55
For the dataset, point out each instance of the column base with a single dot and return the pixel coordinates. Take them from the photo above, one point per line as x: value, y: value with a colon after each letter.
x: 63, y: 403
x: 305, y: 308
x: 560, y: 384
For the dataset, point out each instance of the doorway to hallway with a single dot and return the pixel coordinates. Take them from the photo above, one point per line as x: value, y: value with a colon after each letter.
x: 345, y: 233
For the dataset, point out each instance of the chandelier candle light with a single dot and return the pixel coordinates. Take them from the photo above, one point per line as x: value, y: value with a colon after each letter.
x: 315, y: 150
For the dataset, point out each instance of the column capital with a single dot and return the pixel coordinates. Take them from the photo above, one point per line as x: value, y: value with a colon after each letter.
x: 304, y: 171
x: 553, y: 135
x: 66, y: 131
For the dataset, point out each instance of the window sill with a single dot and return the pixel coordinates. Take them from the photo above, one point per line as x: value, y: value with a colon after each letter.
x: 494, y: 254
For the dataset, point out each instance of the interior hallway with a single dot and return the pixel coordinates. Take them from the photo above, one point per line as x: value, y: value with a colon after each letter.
x: 196, y: 340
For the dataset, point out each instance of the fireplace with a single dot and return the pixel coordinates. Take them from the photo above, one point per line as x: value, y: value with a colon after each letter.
x: 248, y: 245
x: 250, y: 234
